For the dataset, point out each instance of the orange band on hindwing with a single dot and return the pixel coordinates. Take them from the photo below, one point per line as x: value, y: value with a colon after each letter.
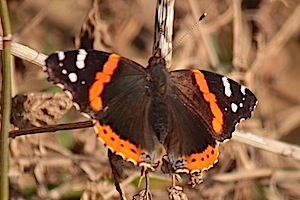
x: 124, y: 148
x: 204, y: 160
x: 101, y: 79
x: 217, y: 121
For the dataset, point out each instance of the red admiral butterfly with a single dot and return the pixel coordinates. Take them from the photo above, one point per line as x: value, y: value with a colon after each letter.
x: 188, y: 111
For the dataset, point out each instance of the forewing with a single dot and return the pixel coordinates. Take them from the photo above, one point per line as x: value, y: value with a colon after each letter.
x: 218, y: 102
x: 110, y: 89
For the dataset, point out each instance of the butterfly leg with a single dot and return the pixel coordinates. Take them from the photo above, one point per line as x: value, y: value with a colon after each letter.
x: 147, y: 187
x: 146, y: 193
x: 176, y: 191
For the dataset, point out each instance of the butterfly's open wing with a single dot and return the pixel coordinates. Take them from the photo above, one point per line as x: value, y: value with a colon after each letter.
x: 217, y: 101
x: 205, y: 109
x: 110, y: 89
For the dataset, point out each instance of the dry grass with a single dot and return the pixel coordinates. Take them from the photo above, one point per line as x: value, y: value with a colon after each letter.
x: 259, y: 47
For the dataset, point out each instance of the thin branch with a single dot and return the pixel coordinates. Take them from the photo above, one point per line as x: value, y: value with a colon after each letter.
x: 274, y: 146
x: 242, y: 175
x: 51, y: 128
x: 26, y: 53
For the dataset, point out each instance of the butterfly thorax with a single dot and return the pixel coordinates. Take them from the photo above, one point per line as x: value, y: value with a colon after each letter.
x: 157, y: 77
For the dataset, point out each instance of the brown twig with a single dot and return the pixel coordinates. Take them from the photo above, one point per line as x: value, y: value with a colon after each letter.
x: 51, y: 128
x: 274, y: 146
x: 26, y: 53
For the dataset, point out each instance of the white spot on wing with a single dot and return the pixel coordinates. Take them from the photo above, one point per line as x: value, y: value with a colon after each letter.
x: 120, y: 154
x: 243, y: 89
x: 69, y: 95
x: 76, y: 106
x: 234, y: 107
x: 80, y: 64
x: 73, y: 77
x: 60, y: 85
x: 82, y: 52
x: 64, y: 71
x: 99, y: 138
x: 110, y: 148
x: 61, y: 55
x: 80, y: 58
x: 241, y: 105
x: 96, y: 130
x: 226, y: 86
x: 83, y: 82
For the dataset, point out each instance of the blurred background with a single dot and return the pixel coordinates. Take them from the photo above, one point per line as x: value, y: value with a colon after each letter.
x: 256, y: 42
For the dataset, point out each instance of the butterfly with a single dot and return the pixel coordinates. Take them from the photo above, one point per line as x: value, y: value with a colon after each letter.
x: 188, y: 112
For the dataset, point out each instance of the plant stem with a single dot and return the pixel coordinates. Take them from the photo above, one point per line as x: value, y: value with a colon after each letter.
x: 5, y: 100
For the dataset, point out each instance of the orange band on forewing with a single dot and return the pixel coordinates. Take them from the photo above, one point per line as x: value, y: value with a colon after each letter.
x: 101, y: 78
x: 217, y: 121
x: 123, y: 147
x: 96, y: 104
x: 111, y: 64
x: 204, y: 160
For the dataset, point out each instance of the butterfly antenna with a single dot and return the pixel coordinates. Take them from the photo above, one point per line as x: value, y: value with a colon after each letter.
x: 188, y: 32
